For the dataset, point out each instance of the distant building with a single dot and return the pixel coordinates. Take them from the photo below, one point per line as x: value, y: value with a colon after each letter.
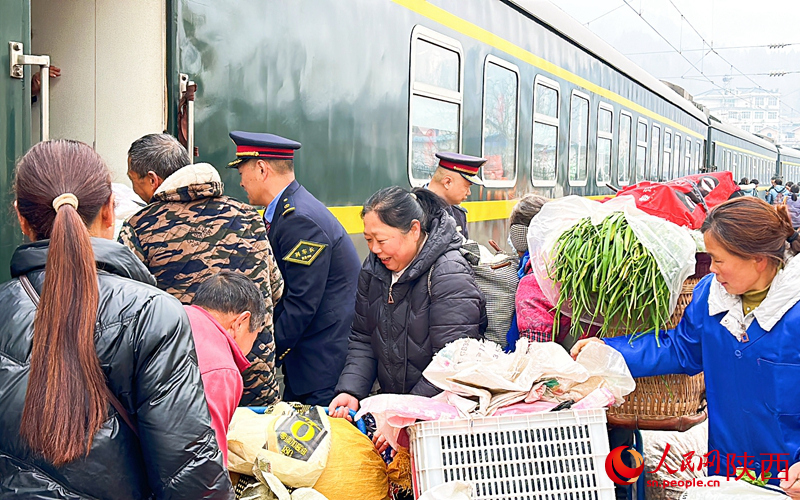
x: 753, y: 109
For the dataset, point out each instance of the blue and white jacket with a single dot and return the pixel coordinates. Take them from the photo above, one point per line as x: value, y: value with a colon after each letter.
x: 751, y: 364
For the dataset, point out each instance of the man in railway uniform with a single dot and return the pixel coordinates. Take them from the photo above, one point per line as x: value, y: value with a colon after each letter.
x: 191, y: 231
x: 316, y: 258
x: 452, y: 181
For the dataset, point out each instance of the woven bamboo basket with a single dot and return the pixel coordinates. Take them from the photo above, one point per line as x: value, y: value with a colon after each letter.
x: 667, y: 402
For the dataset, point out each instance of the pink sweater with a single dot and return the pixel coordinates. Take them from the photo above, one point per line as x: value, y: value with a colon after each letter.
x: 221, y: 364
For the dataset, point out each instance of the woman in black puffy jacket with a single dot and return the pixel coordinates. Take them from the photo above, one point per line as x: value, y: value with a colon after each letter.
x: 105, y: 356
x: 416, y: 293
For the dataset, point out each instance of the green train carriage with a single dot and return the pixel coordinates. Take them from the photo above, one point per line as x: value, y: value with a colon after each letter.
x: 372, y: 88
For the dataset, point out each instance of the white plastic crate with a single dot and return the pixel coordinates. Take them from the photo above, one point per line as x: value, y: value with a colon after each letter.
x: 543, y: 456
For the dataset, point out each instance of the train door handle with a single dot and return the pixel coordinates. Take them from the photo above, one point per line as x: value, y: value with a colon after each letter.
x: 187, y: 93
x: 17, y: 60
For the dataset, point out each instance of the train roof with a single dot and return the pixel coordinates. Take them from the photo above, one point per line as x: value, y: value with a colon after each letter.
x: 741, y: 134
x: 569, y: 28
x: 790, y: 152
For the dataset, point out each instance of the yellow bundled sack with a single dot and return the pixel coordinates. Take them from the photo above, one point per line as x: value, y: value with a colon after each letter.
x: 294, y: 440
x: 355, y: 469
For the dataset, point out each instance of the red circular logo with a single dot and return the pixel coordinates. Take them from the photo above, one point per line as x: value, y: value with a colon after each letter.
x: 621, y: 473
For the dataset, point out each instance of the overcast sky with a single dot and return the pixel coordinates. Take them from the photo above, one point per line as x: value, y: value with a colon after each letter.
x: 723, y: 23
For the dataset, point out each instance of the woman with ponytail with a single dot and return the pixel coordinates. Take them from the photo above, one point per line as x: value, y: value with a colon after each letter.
x: 99, y: 386
x: 416, y: 293
x: 741, y: 329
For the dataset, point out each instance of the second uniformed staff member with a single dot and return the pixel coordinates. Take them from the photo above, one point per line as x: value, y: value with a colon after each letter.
x: 452, y: 181
x: 317, y: 259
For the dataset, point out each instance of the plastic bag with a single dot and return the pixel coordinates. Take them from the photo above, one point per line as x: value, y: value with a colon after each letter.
x: 732, y: 490
x: 451, y: 490
x: 685, y: 201
x: 694, y: 440
x: 126, y: 203
x: 671, y: 246
x: 295, y: 443
x: 602, y: 360
x: 480, y: 369
x: 393, y: 412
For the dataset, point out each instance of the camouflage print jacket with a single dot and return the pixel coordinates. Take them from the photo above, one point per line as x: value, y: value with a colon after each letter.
x: 190, y: 231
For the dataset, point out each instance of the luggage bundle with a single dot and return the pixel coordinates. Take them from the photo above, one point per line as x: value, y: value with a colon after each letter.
x: 297, y: 447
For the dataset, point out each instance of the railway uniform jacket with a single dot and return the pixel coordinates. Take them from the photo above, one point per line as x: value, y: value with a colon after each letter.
x: 190, y: 231
x: 146, y: 351
x: 320, y: 265
x: 395, y: 339
x: 459, y: 213
x: 751, y: 378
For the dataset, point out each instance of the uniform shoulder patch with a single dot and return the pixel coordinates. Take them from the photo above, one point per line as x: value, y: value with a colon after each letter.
x: 305, y: 252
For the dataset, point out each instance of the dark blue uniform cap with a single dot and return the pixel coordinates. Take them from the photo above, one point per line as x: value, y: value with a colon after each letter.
x: 465, y: 165
x: 251, y: 145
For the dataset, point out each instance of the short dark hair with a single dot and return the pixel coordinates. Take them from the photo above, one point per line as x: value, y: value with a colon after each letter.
x: 280, y: 166
x: 161, y: 153
x: 778, y: 181
x: 754, y: 181
x: 232, y: 293
x: 399, y: 208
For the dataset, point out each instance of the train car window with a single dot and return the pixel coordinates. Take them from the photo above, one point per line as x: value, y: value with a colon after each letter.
x: 545, y: 132
x: 605, y: 118
x: 578, y: 139
x: 727, y: 160
x: 655, y: 151
x: 624, y: 151
x: 667, y: 152
x: 687, y: 167
x: 715, y: 154
x: 437, y: 66
x: 698, y: 157
x: 676, y: 170
x: 500, y: 116
x: 436, y: 101
x: 641, y: 149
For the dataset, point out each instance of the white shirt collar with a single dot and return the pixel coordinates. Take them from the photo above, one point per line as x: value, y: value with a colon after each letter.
x: 782, y: 296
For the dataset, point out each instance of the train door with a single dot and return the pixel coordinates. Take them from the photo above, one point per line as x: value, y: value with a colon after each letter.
x: 112, y: 57
x: 15, y: 107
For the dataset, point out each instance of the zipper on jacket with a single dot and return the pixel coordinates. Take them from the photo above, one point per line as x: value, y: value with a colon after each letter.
x: 391, y: 299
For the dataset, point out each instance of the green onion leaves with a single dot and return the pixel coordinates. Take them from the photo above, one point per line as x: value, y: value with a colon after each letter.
x: 607, y: 276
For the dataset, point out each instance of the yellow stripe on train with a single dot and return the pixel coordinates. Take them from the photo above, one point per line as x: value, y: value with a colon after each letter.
x: 477, y: 211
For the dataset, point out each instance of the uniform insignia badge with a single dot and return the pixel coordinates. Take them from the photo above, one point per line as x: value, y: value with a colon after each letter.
x: 305, y: 252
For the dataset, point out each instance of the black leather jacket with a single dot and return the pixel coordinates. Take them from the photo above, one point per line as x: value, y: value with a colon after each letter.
x: 396, y: 341
x: 146, y: 350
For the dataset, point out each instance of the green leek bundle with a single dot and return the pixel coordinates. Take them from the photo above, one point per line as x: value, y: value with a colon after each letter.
x: 606, y: 274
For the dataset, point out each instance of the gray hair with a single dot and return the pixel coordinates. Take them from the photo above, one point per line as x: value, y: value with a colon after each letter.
x: 526, y: 208
x: 161, y: 153
x: 230, y: 292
